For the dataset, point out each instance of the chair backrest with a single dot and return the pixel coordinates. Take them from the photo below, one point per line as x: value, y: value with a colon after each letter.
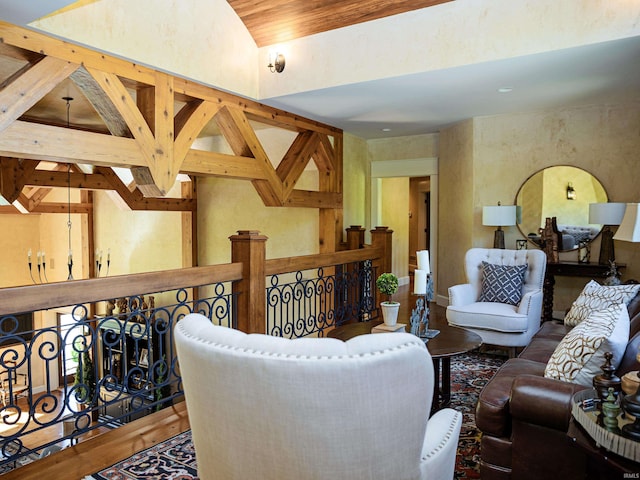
x: 317, y: 408
x: 535, y: 259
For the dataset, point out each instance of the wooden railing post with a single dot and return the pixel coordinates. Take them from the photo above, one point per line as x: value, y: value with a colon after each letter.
x: 355, y: 237
x: 354, y: 294
x: 249, y: 248
x: 382, y: 237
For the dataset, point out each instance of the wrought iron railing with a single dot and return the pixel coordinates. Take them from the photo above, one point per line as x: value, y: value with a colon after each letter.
x: 310, y: 302
x: 123, y: 349
x: 126, y: 368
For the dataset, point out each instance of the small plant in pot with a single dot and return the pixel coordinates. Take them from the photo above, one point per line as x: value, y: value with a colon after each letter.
x: 387, y: 284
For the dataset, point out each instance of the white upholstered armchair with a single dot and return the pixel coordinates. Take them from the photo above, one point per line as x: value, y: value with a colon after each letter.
x: 492, y: 304
x: 315, y: 408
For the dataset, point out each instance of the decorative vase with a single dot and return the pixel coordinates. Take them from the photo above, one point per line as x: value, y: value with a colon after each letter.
x: 390, y: 312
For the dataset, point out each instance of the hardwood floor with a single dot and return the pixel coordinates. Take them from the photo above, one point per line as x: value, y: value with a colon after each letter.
x: 94, y: 454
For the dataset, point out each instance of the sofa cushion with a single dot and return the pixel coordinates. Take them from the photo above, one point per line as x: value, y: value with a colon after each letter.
x: 502, y: 283
x: 596, y: 297
x: 540, y: 349
x: 500, y: 317
x: 492, y: 411
x: 580, y: 354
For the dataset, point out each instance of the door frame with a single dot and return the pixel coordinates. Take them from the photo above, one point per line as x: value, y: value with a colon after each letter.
x: 415, y: 167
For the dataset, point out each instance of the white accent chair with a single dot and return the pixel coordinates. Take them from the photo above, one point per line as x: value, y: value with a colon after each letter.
x: 499, y: 323
x: 314, y: 408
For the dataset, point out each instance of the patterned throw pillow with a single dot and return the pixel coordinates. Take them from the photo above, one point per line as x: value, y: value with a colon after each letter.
x: 596, y: 297
x: 502, y: 283
x: 580, y: 354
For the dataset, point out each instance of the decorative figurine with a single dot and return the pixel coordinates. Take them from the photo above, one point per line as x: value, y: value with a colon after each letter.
x: 607, y: 380
x: 610, y: 412
x: 613, y: 275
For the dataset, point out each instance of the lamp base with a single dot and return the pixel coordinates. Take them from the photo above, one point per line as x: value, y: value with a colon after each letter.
x: 498, y: 238
x: 607, y: 253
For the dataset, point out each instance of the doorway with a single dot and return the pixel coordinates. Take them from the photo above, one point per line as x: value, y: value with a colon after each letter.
x: 419, y: 218
x: 409, y: 168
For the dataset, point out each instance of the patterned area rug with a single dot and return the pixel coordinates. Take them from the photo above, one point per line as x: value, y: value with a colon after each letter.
x: 469, y: 374
x: 172, y: 459
x: 175, y: 458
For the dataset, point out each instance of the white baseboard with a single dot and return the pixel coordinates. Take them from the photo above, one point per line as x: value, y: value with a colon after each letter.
x: 442, y: 300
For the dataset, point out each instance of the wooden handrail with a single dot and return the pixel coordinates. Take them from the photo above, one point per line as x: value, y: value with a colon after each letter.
x: 307, y: 262
x: 61, y: 294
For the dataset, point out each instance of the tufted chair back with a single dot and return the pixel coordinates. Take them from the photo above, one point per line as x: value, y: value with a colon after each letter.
x: 312, y: 408
x: 535, y: 259
x: 498, y: 323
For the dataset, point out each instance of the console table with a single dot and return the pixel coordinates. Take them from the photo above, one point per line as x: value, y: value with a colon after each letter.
x: 569, y: 269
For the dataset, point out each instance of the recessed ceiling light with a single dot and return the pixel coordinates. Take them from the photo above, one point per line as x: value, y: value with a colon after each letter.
x: 386, y: 129
x: 505, y: 89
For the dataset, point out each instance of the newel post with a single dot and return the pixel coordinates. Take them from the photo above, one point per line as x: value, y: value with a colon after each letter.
x: 355, y: 237
x: 249, y: 248
x: 382, y: 237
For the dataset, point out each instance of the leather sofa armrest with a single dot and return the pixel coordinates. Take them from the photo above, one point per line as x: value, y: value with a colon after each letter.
x: 542, y: 401
x: 463, y: 294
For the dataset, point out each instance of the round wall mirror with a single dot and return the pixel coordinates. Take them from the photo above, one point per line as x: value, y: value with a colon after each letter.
x: 565, y: 193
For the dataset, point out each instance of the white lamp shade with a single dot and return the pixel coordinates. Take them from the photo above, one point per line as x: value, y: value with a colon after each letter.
x: 606, y: 213
x: 629, y: 230
x: 499, y: 215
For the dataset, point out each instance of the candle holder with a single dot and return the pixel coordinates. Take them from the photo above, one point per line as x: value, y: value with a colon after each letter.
x: 420, y: 315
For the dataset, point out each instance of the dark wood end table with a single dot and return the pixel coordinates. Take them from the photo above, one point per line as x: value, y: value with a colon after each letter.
x: 449, y: 342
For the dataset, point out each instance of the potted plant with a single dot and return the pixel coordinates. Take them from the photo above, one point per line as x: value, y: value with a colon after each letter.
x: 387, y: 284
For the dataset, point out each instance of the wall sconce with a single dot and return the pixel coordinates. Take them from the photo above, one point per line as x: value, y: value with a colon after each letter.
x: 571, y: 193
x: 276, y: 62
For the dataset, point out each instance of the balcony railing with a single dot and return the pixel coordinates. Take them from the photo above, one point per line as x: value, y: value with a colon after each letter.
x: 113, y: 360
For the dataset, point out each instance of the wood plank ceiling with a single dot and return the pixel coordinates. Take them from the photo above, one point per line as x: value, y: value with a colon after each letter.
x: 276, y: 21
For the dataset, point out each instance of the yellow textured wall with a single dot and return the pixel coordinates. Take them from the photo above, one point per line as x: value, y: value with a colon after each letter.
x: 402, y: 148
x: 507, y: 149
x: 356, y: 171
x: 139, y: 241
x: 455, y: 204
x: 395, y: 215
x: 200, y: 39
x: 14, y: 247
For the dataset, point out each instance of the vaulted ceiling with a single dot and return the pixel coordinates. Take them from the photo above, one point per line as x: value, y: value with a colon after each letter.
x: 277, y: 21
x: 425, y: 102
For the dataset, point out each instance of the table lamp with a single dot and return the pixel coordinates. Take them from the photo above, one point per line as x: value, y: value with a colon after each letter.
x: 606, y: 214
x: 499, y: 216
x: 629, y: 231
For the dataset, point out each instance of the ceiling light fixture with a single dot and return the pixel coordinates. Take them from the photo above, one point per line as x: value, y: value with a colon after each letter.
x: 70, y: 256
x: 505, y: 89
x: 276, y: 62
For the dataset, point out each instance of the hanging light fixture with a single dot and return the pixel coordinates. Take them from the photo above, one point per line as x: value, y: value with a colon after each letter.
x: 70, y: 257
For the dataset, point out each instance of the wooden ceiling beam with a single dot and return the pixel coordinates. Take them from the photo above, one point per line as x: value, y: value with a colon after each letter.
x: 243, y: 141
x: 202, y: 162
x: 44, y: 142
x: 29, y: 85
x: 46, y: 178
x: 309, y: 198
x: 101, y: 102
x: 324, y: 156
x: 189, y: 122
x: 153, y: 177
x: 13, y: 175
x: 61, y: 207
x: 295, y: 160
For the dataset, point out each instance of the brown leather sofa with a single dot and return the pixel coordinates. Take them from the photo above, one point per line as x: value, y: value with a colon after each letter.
x: 524, y: 417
